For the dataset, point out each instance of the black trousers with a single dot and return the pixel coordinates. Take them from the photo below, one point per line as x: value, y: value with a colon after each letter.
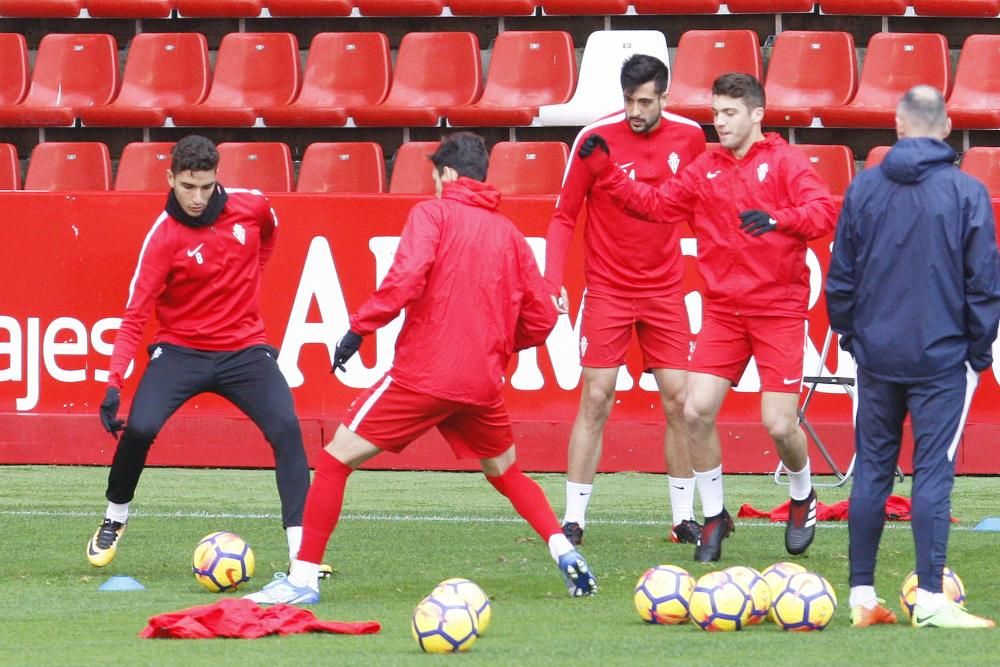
x: 250, y: 379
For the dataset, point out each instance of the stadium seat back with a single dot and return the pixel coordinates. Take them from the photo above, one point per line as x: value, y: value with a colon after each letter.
x: 347, y: 69
x: 865, y: 7
x: 528, y: 167
x: 492, y: 7
x: 812, y: 69
x: 69, y: 166
x: 256, y: 165
x: 130, y: 9
x: 769, y: 6
x: 975, y: 96
x: 14, y: 74
x: 255, y: 70
x: 401, y: 7
x: 702, y: 55
x: 347, y: 166
x: 983, y: 162
x: 10, y: 168
x: 411, y: 168
x: 280, y: 8
x: 531, y: 68
x: 584, y: 7
x: 165, y: 70
x: 895, y: 62
x: 676, y: 6
x: 875, y: 156
x: 143, y: 167
x: 74, y: 70
x: 220, y: 8
x: 834, y: 164
x: 41, y: 9
x: 436, y: 69
x: 975, y: 8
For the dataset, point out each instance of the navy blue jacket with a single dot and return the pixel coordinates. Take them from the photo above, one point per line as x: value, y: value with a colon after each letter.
x: 914, y: 282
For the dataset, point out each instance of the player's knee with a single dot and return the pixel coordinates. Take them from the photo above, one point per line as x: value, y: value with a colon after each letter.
x: 781, y: 427
x: 141, y: 433
x: 596, y: 401
x: 284, y: 430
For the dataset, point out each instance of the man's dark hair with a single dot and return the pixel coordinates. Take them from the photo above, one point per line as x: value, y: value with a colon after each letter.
x: 194, y: 153
x: 740, y: 86
x: 465, y: 152
x: 639, y: 69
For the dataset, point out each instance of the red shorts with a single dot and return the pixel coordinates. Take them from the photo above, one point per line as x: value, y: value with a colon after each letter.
x: 391, y: 417
x: 726, y: 343
x: 661, y: 324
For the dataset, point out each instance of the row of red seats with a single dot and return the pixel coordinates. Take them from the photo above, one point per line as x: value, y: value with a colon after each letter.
x: 812, y: 79
x: 281, y: 8
x: 520, y: 168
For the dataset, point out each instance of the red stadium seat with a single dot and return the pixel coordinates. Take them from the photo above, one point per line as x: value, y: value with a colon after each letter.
x: 584, y: 7
x: 72, y: 165
x: 527, y: 69
x: 769, y: 6
x: 984, y: 8
x: 702, y: 55
x: 10, y: 168
x: 143, y: 167
x: 864, y: 7
x: 894, y: 63
x: 835, y: 164
x: 528, y: 167
x: 162, y: 71
x: 14, y: 76
x: 411, y: 168
x: 348, y: 166
x: 492, y: 7
x: 72, y: 71
x: 38, y: 9
x: 130, y: 9
x: 676, y: 6
x: 434, y: 71
x: 809, y: 70
x: 401, y: 7
x: 220, y: 8
x: 310, y: 7
x: 253, y: 71
x: 975, y: 98
x: 256, y: 165
x: 983, y: 162
x: 344, y: 69
x: 875, y: 156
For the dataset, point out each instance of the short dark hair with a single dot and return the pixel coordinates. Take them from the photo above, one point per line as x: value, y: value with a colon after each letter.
x: 194, y: 153
x: 740, y: 86
x: 639, y: 69
x: 465, y: 152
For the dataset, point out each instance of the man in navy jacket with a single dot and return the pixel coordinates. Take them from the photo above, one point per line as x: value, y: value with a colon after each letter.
x: 914, y: 292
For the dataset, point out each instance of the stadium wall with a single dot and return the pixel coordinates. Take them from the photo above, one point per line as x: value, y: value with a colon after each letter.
x: 68, y: 258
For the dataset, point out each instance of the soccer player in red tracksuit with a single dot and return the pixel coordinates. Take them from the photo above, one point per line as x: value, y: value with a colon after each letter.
x: 201, y: 266
x: 633, y: 274
x: 756, y: 201
x: 473, y: 295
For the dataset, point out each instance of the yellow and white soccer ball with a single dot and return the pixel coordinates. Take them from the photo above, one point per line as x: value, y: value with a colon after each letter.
x: 719, y: 603
x: 222, y: 561
x: 807, y: 602
x: 951, y: 586
x: 444, y: 623
x: 662, y: 595
x: 473, y: 595
x: 776, y: 575
x: 760, y: 591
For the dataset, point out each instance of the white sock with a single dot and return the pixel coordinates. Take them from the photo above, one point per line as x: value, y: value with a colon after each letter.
x: 304, y: 573
x: 709, y: 485
x: 559, y: 546
x: 929, y: 602
x: 294, y: 536
x: 681, y: 498
x: 117, y: 512
x: 577, y: 499
x: 800, y: 483
x: 864, y: 596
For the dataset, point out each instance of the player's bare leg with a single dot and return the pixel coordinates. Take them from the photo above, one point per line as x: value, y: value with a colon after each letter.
x: 677, y: 455
x: 779, y: 413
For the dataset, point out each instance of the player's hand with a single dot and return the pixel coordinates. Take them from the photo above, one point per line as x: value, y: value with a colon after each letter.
x: 561, y: 302
x: 596, y: 155
x: 593, y: 142
x: 109, y: 412
x: 347, y: 346
x: 756, y: 222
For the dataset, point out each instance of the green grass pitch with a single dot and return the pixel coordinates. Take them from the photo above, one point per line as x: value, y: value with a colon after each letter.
x: 402, y: 532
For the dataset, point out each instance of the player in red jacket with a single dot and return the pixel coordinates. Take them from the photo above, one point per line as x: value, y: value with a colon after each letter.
x: 200, y: 266
x: 473, y: 296
x: 756, y: 201
x: 633, y: 276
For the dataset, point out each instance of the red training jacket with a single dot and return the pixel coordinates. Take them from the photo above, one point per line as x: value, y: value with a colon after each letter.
x: 623, y: 256
x: 744, y: 274
x: 205, y: 281
x: 472, y: 291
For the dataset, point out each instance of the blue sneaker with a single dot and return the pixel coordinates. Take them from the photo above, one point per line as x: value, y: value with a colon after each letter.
x: 283, y: 591
x: 579, y: 580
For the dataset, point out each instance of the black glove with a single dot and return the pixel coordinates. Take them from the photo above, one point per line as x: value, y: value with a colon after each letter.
x: 592, y: 142
x: 757, y: 222
x: 347, y: 346
x: 109, y: 412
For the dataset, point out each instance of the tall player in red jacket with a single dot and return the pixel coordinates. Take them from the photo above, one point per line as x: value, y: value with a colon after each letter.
x: 473, y: 296
x: 756, y: 201
x: 633, y: 276
x: 200, y: 266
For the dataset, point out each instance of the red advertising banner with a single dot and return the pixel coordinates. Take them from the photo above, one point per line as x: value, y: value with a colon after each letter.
x: 67, y: 260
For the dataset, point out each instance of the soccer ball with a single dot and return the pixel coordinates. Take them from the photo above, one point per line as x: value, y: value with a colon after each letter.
x: 951, y: 586
x: 719, y: 603
x: 807, y: 602
x: 776, y: 575
x: 222, y: 561
x: 662, y: 595
x: 473, y: 595
x: 760, y: 591
x: 444, y: 623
